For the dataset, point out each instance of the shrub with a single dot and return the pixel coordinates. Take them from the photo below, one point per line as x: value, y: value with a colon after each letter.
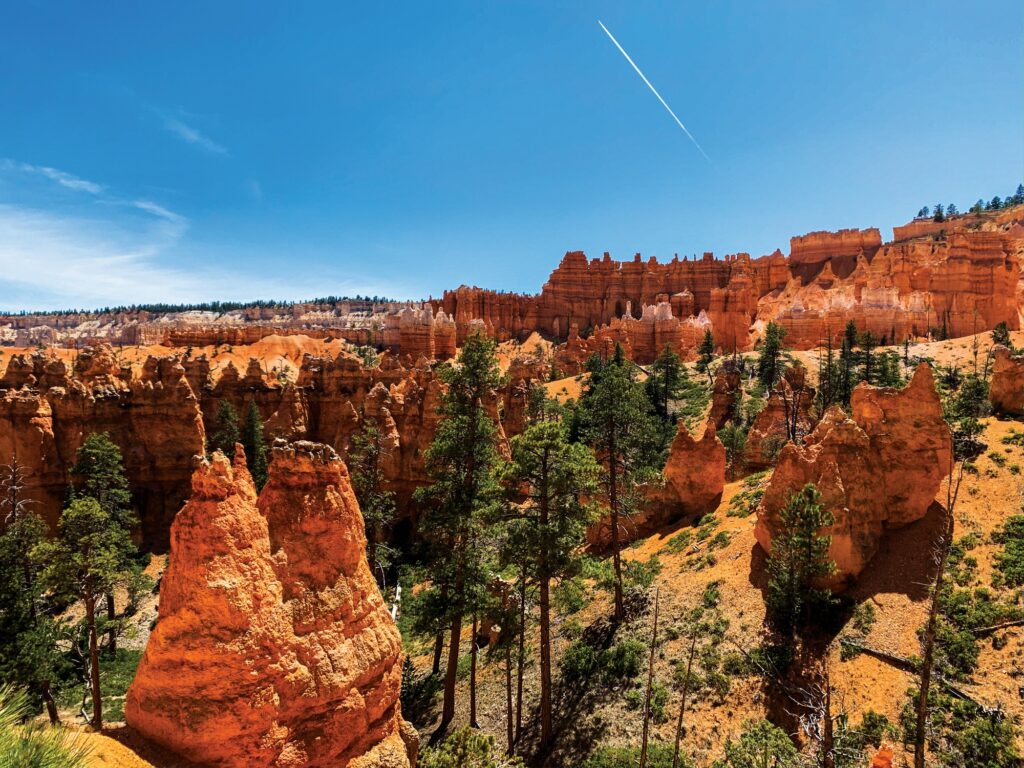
x: 658, y: 756
x: 467, y: 748
x: 864, y: 617
x: 679, y: 543
x: 579, y: 661
x: 30, y: 744
x: 1010, y: 561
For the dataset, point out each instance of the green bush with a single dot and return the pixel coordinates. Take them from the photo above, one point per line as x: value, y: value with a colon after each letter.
x: 864, y: 617
x: 467, y: 748
x: 579, y: 661
x: 679, y: 543
x: 658, y: 756
x: 1010, y: 561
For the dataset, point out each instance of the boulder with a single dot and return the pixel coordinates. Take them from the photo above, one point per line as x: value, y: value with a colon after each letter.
x: 1006, y: 389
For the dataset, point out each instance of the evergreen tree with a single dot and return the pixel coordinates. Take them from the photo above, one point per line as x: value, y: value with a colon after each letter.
x: 376, y: 502
x: 99, y: 474
x: 706, y: 352
x: 85, y: 562
x: 228, y: 431
x: 1018, y: 197
x: 1001, y: 335
x: 829, y: 378
x: 924, y: 213
x: 666, y: 382
x: 761, y: 745
x: 951, y: 210
x: 995, y: 203
x: 617, y: 422
x: 847, y: 363
x: 769, y: 367
x: 547, y: 533
x: 461, y: 462
x: 28, y: 635
x: 940, y: 214
x: 867, y: 356
x: 978, y: 207
x: 799, y: 560
x: 254, y: 445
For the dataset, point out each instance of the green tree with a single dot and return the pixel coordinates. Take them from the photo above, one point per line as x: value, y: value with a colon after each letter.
x: 617, y: 422
x: 769, y: 366
x: 228, y: 431
x: 940, y: 214
x: 255, y: 445
x: 978, y: 207
x: 760, y: 745
x: 924, y: 213
x: 546, y: 477
x: 466, y: 748
x: 1001, y: 335
x: 463, y: 492
x: 706, y: 352
x: 995, y: 203
x: 666, y: 381
x: 847, y: 363
x: 98, y: 473
x: 951, y: 210
x: 85, y: 562
x: 868, y: 342
x: 799, y: 560
x: 28, y: 634
x: 377, y: 504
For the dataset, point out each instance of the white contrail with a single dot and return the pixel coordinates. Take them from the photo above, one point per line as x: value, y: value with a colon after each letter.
x: 654, y: 91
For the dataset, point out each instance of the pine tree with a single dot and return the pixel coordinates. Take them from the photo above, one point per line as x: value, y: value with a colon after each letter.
x: 461, y: 462
x: 666, y: 382
x: 799, y: 560
x: 617, y: 421
x: 365, y: 455
x: 547, y: 532
x: 85, y: 562
x: 769, y: 368
x: 28, y: 635
x: 1018, y: 197
x: 1001, y: 335
x: 924, y: 213
x: 228, y: 432
x: 761, y: 745
x: 706, y: 352
x: 847, y: 362
x: 940, y: 214
x: 978, y: 207
x: 995, y: 203
x: 99, y: 474
x: 867, y: 356
x: 951, y: 210
x: 254, y: 445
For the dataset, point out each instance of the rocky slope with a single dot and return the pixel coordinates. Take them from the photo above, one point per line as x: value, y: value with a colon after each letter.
x: 273, y: 645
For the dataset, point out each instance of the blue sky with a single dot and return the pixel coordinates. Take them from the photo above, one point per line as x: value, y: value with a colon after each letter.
x: 194, y: 150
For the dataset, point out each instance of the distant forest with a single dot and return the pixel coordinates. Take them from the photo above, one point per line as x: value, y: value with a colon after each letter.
x: 205, y: 306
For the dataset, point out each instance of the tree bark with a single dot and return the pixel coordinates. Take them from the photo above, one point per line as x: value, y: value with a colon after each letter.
x: 508, y: 698
x: 94, y: 664
x: 521, y: 659
x: 111, y: 617
x: 613, y: 504
x: 472, y: 674
x: 51, y: 705
x: 650, y: 683
x: 682, y: 704
x: 451, y: 675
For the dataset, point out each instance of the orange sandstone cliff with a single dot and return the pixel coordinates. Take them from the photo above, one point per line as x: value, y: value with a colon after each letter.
x: 875, y: 471
x: 273, y: 645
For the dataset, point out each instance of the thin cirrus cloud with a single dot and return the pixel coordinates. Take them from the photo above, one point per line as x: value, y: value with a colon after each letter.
x: 191, y: 135
x: 96, y: 248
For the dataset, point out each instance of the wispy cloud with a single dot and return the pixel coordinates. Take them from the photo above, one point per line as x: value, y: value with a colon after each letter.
x: 64, y: 179
x: 191, y: 135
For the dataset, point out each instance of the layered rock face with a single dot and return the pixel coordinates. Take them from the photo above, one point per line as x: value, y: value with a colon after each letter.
x: 47, y: 412
x: 692, y: 483
x: 878, y: 470
x: 1006, y: 389
x: 273, y: 645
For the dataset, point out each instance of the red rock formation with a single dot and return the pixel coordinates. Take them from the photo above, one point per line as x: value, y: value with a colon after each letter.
x: 692, y: 482
x: 724, y: 393
x: 883, y: 758
x: 788, y: 407
x: 879, y: 470
x: 155, y: 420
x: 1006, y: 389
x: 273, y: 645
x: 809, y: 253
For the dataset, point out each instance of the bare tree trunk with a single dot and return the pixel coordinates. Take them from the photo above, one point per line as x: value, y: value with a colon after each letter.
x: 928, y: 655
x: 682, y: 704
x: 451, y: 675
x: 508, y: 697
x: 613, y: 504
x: 94, y: 664
x: 51, y: 705
x: 472, y: 674
x: 545, y: 665
x: 650, y: 683
x: 521, y: 659
x: 828, y: 758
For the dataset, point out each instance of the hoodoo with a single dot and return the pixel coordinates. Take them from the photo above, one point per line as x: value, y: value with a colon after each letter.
x: 273, y: 646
